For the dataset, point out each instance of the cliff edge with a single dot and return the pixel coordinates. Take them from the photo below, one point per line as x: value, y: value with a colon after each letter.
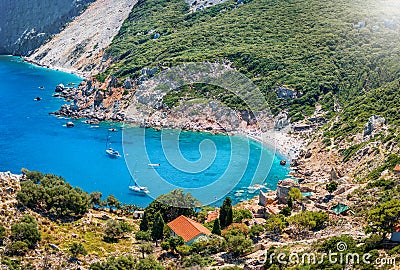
x: 80, y: 46
x: 26, y: 24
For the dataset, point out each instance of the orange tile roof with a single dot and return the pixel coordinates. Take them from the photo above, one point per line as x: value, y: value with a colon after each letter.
x: 211, y: 216
x: 397, y: 168
x: 187, y: 228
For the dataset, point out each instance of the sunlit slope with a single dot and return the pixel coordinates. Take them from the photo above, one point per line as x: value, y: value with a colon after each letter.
x: 318, y: 48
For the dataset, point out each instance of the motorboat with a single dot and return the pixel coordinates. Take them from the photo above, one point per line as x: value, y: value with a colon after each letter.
x: 154, y: 164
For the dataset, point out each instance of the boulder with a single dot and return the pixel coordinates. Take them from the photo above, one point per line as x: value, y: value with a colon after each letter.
x: 128, y: 83
x: 373, y: 123
x: 59, y: 88
x: 113, y: 82
x: 308, y: 172
x: 98, y: 99
x: 334, y: 175
x: 281, y: 121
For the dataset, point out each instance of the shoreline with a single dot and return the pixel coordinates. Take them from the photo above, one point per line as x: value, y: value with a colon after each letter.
x: 83, y: 76
x: 280, y: 142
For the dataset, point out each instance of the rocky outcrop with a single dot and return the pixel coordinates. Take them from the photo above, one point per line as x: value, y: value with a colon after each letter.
x: 286, y: 93
x: 95, y: 101
x: 283, y: 188
x: 80, y: 46
x: 373, y: 123
x: 25, y: 25
x: 281, y: 121
x: 122, y: 100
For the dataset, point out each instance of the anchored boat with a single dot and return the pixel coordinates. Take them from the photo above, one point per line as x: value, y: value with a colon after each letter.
x: 138, y: 189
x: 112, y: 153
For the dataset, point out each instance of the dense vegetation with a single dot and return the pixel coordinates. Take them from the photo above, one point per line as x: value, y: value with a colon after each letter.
x: 320, y: 49
x: 52, y: 195
x: 383, y: 101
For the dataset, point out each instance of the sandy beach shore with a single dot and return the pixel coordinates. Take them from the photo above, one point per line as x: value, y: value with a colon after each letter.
x: 286, y: 144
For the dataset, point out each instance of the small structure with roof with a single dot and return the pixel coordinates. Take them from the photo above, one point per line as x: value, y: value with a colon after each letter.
x: 283, y: 188
x: 340, y: 209
x: 302, y: 127
x: 396, y: 170
x: 188, y: 229
x: 212, y: 215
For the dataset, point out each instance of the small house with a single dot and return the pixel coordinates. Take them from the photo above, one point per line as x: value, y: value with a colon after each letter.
x: 283, y: 188
x: 396, y: 170
x: 340, y: 209
x: 302, y: 127
x: 188, y: 229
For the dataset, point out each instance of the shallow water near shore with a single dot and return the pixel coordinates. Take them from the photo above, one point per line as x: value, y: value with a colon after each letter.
x: 33, y: 139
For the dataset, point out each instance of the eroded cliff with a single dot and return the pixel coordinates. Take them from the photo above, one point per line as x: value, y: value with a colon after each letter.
x: 27, y: 24
x: 80, y: 46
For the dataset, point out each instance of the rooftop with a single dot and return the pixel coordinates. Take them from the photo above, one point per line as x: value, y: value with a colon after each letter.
x: 187, y: 228
x: 397, y: 168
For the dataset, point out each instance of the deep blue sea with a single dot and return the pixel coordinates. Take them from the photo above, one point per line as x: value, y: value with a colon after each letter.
x: 209, y: 166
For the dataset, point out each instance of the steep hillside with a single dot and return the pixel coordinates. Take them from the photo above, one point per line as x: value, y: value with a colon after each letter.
x: 317, y: 49
x: 26, y: 24
x: 80, y: 46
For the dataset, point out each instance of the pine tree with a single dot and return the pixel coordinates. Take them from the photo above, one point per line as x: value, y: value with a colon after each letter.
x: 216, y: 228
x: 158, y: 228
x: 144, y: 224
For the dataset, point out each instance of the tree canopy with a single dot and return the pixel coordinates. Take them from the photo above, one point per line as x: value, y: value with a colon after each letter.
x: 168, y: 206
x: 53, y: 195
x: 226, y: 213
x: 384, y: 217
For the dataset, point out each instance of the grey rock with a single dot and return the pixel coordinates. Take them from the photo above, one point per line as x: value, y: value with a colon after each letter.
x: 281, y: 121
x: 373, y: 123
x: 286, y: 93
x: 59, y: 88
x: 26, y: 25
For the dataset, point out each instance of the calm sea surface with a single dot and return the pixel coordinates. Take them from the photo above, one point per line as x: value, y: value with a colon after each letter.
x: 207, y: 165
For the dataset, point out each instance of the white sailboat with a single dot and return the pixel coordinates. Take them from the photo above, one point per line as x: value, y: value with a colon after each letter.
x: 112, y: 153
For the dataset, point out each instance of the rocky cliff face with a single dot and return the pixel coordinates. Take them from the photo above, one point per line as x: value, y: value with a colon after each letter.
x: 80, y: 46
x: 27, y: 24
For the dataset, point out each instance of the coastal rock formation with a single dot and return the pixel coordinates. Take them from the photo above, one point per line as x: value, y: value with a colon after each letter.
x: 25, y: 25
x: 283, y: 188
x: 129, y: 101
x: 80, y: 46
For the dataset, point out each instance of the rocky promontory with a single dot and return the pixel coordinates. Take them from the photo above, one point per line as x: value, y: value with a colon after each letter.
x: 120, y: 100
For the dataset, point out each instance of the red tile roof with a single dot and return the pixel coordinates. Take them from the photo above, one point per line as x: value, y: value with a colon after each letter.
x: 187, y: 228
x: 211, y: 216
x: 397, y: 168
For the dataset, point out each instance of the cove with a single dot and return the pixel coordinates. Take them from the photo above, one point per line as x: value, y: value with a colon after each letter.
x: 33, y: 139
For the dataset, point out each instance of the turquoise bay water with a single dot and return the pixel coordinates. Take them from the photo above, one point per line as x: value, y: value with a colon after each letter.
x: 33, y: 139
